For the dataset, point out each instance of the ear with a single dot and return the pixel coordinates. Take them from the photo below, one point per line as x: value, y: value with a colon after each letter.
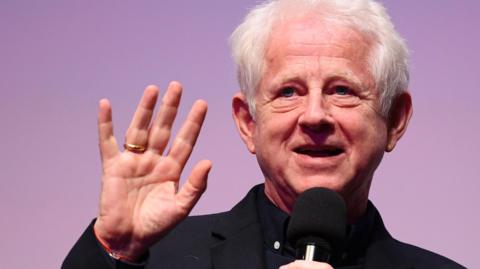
x: 398, y: 119
x: 244, y: 121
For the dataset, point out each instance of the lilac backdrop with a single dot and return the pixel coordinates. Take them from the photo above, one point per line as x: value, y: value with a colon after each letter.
x: 58, y: 58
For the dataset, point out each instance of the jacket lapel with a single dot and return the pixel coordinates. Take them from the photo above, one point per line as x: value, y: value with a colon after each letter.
x: 379, y: 253
x: 238, y: 236
x: 238, y: 240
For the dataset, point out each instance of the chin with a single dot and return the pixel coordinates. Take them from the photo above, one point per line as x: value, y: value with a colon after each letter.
x: 332, y: 183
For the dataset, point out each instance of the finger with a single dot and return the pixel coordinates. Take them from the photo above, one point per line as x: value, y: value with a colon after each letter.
x: 137, y: 132
x: 162, y: 126
x: 187, y: 136
x: 195, y: 185
x: 107, y: 142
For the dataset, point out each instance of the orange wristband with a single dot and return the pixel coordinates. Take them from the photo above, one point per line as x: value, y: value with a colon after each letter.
x: 111, y: 253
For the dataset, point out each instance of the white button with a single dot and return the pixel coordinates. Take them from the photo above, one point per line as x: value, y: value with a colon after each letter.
x: 276, y: 245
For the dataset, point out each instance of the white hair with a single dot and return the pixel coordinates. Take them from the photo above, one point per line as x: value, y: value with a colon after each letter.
x: 388, y: 60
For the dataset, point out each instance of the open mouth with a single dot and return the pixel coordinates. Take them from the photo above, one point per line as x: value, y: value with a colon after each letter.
x: 319, y: 151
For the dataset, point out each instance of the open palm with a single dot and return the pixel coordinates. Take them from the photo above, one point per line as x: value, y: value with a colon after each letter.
x: 140, y: 199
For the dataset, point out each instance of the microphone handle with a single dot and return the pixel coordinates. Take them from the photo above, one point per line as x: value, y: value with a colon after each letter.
x: 313, y: 252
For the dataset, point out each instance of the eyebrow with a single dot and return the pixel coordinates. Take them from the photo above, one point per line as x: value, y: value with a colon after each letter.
x: 344, y: 75
x: 349, y: 78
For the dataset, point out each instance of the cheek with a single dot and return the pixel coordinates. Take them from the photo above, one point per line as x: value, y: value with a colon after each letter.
x: 273, y: 129
x: 366, y: 133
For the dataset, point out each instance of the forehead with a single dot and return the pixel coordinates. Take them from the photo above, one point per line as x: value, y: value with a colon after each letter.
x: 313, y: 37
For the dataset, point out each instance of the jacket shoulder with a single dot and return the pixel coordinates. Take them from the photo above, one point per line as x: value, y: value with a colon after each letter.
x: 401, y: 253
x: 388, y: 252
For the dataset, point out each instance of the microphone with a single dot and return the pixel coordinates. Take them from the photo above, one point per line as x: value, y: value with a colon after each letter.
x: 317, y: 224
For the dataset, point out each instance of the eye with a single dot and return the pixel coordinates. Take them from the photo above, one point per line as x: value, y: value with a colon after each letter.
x: 287, y: 92
x: 343, y: 96
x: 342, y: 90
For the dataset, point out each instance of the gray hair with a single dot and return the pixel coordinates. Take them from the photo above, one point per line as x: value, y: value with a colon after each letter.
x: 388, y: 60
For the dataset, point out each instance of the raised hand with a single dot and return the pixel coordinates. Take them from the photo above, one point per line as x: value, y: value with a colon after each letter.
x: 140, y: 198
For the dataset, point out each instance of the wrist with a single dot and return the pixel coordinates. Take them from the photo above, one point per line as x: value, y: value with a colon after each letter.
x: 118, y: 251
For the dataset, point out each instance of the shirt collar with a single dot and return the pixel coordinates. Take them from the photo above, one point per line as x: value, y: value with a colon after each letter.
x: 274, y: 223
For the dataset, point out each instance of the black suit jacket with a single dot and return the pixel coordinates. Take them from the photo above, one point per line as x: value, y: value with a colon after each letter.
x: 233, y: 240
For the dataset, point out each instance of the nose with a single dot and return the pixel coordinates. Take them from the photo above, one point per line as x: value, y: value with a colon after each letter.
x: 316, y: 116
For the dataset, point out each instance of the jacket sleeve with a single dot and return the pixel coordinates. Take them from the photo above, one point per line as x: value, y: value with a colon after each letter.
x: 88, y: 253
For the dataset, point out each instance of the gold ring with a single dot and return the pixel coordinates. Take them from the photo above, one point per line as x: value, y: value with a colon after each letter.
x: 134, y: 148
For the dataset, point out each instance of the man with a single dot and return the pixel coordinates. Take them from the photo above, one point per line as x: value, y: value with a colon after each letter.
x: 324, y: 95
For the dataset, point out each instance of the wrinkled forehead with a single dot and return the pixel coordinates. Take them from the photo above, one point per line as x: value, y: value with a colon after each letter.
x: 341, y: 49
x: 318, y: 36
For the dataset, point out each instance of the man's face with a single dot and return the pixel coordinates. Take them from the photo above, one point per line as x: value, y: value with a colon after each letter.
x: 317, y: 117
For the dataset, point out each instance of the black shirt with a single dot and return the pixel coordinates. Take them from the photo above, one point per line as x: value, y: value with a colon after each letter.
x: 278, y: 251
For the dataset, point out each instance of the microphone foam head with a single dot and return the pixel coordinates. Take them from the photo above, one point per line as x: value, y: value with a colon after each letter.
x: 319, y: 215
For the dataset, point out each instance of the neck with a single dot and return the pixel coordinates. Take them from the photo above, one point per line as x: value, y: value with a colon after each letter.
x: 284, y: 199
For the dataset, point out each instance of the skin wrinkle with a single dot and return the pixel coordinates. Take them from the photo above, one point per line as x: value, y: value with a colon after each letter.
x: 344, y: 75
x: 321, y: 14
x: 288, y: 78
x: 313, y: 62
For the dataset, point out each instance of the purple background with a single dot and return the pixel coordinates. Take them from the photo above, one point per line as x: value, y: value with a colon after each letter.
x: 58, y: 58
